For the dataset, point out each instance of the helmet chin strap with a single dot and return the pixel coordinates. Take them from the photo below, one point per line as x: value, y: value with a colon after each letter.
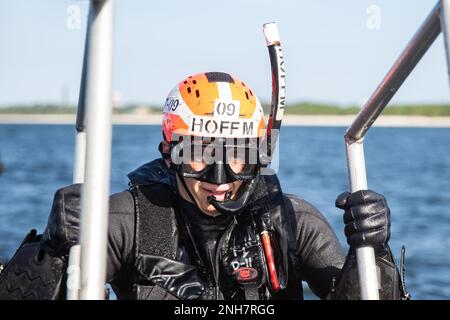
x: 235, y: 207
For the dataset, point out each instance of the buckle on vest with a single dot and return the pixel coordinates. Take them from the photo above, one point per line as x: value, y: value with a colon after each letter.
x: 244, y: 275
x: 247, y: 278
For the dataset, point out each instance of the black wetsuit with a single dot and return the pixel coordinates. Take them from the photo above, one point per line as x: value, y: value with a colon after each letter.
x: 315, y: 254
x: 310, y: 249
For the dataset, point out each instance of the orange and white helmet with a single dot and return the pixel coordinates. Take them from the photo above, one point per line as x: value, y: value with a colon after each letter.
x: 213, y: 104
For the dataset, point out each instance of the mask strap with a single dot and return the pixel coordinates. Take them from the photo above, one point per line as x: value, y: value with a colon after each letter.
x: 181, y: 178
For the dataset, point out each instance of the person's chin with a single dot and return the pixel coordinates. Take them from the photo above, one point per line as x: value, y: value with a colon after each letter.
x: 209, y: 209
x: 212, y: 212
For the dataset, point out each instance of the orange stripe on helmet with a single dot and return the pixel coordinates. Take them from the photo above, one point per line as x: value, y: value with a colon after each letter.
x: 261, y: 127
x: 199, y: 94
x: 173, y: 123
x: 245, y: 95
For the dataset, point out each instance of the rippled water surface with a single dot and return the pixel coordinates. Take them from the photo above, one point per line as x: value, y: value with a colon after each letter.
x: 410, y: 166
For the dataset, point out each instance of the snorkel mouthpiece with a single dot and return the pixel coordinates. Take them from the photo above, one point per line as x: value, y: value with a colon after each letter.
x: 213, y: 198
x: 235, y: 207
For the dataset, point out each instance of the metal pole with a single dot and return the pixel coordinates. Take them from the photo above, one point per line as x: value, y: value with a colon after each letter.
x: 354, y: 136
x: 365, y: 256
x: 73, y: 268
x: 73, y: 273
x: 94, y: 219
x: 80, y: 156
x: 80, y: 146
x: 445, y: 26
x: 408, y: 59
x: 80, y: 142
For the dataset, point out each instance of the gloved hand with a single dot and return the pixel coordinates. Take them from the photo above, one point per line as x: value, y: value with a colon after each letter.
x: 366, y: 217
x: 63, y: 225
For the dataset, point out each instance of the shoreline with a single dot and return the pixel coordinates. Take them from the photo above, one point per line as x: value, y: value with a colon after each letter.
x: 289, y: 120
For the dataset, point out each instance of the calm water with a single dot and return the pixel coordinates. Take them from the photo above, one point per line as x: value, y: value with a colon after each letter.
x: 411, y: 167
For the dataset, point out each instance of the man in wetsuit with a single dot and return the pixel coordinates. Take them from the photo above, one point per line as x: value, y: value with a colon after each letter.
x: 209, y: 221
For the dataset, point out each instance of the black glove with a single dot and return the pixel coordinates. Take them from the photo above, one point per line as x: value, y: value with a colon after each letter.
x: 63, y: 225
x: 367, y: 218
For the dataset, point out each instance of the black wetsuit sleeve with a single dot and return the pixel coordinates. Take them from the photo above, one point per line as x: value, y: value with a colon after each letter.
x: 120, y: 272
x: 315, y: 250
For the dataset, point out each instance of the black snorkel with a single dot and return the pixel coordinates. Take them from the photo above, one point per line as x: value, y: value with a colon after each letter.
x: 237, y: 205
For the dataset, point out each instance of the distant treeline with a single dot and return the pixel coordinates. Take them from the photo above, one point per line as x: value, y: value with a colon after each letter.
x: 298, y: 109
x: 430, y: 110
x: 38, y: 109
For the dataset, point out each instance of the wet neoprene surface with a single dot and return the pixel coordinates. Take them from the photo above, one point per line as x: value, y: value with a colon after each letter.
x: 206, y: 230
x: 314, y: 250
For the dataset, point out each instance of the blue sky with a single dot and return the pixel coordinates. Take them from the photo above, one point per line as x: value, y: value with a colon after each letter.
x: 331, y: 54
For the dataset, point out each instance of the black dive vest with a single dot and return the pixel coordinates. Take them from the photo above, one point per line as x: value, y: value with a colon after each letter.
x: 168, y: 263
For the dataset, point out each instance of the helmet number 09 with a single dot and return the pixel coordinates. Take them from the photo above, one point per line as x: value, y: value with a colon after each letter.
x: 227, y: 108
